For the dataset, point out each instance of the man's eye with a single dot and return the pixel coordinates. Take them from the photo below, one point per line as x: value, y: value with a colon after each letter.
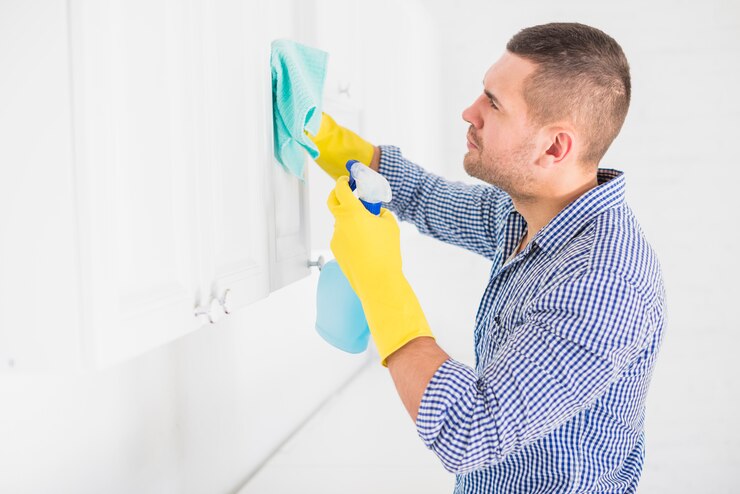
x: 493, y: 104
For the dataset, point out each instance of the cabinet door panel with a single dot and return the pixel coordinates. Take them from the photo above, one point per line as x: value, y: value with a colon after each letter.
x: 343, y: 81
x: 39, y: 286
x: 134, y: 133
x: 290, y: 228
x: 235, y: 153
x: 288, y: 206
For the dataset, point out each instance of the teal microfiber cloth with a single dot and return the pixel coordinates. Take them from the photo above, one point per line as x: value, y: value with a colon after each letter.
x: 298, y: 74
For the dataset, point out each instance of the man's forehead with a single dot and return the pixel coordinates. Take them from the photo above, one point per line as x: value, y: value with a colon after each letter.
x: 506, y: 77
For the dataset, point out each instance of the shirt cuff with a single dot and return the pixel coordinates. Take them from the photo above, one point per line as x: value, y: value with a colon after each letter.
x: 402, y: 175
x: 451, y: 380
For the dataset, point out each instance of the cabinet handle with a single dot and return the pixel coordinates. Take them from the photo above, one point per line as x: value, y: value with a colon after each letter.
x: 319, y: 263
x: 344, y: 90
x: 202, y: 311
x: 224, y: 301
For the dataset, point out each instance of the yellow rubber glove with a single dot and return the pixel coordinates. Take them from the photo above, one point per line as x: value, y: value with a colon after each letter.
x: 368, y: 249
x: 337, y: 145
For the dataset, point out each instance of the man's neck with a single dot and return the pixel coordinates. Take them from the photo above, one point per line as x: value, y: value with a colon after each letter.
x: 538, y: 212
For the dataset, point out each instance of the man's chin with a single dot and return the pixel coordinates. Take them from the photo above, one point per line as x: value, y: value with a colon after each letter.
x: 470, y: 165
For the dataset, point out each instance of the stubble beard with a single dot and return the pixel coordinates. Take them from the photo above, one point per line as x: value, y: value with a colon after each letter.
x: 507, y: 172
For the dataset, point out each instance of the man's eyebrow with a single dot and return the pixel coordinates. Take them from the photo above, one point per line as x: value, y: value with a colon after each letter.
x: 490, y: 95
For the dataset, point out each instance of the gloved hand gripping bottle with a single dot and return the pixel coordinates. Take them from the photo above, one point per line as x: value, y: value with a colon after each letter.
x: 340, y: 319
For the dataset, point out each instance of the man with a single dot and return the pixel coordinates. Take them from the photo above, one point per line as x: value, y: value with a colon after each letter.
x: 569, y: 327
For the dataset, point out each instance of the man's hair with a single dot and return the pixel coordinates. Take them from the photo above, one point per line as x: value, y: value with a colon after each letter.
x: 582, y: 75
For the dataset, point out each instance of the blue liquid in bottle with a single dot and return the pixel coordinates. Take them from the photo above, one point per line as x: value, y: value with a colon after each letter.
x: 340, y: 319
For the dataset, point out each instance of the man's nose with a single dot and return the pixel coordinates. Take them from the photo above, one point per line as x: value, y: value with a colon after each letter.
x: 472, y: 115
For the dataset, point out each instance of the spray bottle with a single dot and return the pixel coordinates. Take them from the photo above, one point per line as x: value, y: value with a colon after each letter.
x: 340, y: 319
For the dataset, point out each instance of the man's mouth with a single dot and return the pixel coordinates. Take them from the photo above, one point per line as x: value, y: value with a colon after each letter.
x: 471, y: 144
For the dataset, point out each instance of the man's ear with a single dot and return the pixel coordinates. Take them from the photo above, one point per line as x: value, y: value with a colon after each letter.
x: 559, y: 146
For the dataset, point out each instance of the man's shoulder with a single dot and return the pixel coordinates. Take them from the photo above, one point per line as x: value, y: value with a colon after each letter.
x: 619, y: 245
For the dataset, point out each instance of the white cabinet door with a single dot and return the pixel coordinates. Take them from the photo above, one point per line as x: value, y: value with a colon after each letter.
x: 135, y: 154
x: 39, y: 319
x: 288, y: 205
x: 235, y: 153
x: 289, y: 229
x: 337, y: 31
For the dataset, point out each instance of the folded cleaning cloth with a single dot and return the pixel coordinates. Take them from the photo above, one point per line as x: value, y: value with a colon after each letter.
x: 298, y: 74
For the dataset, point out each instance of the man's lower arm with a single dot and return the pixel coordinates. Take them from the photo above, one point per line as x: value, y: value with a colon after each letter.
x: 412, y: 367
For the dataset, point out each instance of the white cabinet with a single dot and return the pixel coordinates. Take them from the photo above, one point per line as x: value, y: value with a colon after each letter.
x: 288, y: 205
x: 234, y: 123
x: 137, y: 163
x: 39, y: 314
x: 140, y: 130
x: 338, y: 30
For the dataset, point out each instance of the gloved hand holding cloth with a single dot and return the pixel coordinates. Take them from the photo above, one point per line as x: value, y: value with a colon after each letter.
x: 368, y: 249
x: 337, y: 145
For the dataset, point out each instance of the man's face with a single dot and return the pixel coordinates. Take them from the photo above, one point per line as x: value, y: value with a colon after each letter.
x: 500, y: 143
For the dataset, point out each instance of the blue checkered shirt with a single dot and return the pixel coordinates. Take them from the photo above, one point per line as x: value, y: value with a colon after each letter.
x: 566, y: 337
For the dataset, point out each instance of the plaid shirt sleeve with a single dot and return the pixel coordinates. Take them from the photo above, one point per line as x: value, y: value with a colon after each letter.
x: 573, y: 343
x: 469, y: 216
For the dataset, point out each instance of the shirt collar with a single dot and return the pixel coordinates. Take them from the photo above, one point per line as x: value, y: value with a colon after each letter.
x: 608, y: 194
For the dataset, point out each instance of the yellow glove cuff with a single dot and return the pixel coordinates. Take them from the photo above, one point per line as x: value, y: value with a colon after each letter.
x: 394, y: 316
